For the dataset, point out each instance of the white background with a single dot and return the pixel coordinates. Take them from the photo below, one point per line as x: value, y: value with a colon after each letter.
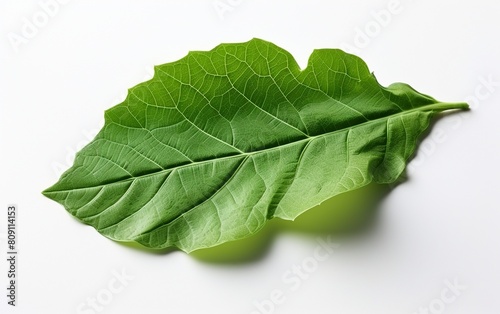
x: 399, y: 250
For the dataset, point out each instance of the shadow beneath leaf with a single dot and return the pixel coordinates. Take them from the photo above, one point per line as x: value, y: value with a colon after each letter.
x: 344, y: 215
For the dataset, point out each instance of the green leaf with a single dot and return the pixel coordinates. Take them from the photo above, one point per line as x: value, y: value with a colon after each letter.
x: 221, y: 141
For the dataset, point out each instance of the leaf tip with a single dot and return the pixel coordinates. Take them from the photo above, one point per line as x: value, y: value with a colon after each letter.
x: 49, y: 192
x: 46, y: 193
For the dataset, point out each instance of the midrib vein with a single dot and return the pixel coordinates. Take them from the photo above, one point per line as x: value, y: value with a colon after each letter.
x: 439, y: 106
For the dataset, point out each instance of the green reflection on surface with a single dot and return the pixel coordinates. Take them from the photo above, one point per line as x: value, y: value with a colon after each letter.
x: 348, y: 213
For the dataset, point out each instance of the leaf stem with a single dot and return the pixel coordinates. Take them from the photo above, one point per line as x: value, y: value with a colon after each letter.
x: 441, y: 106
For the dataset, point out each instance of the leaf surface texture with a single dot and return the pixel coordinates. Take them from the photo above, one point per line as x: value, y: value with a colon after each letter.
x: 221, y: 141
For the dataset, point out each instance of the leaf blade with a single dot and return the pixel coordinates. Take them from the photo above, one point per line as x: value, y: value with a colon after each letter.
x: 221, y: 141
